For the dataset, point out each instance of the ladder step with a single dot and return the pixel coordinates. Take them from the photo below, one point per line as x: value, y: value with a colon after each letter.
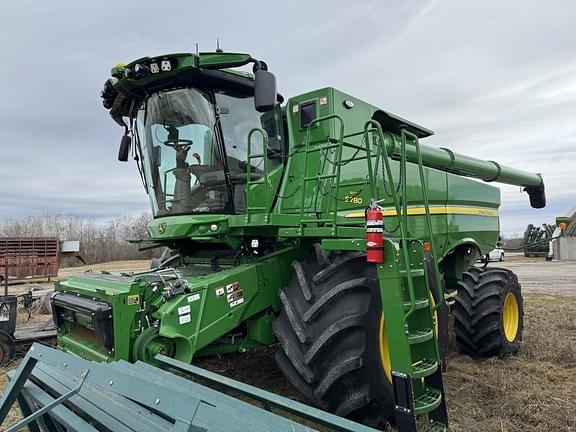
x: 323, y: 220
x: 413, y: 272
x: 323, y: 147
x: 320, y: 177
x: 420, y: 336
x: 423, y: 368
x: 420, y: 304
x: 427, y: 401
x: 357, y: 183
x: 436, y: 427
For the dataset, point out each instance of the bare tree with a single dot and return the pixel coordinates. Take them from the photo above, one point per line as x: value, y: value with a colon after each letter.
x: 99, y: 242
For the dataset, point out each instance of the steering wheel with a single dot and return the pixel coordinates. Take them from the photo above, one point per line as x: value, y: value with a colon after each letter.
x: 178, y: 143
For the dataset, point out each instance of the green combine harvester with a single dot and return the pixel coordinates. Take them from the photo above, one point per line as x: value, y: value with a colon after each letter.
x: 318, y: 223
x: 537, y: 240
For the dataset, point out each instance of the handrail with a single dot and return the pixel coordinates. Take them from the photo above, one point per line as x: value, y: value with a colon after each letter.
x: 424, y: 187
x: 369, y: 127
x: 265, y: 172
x: 335, y: 167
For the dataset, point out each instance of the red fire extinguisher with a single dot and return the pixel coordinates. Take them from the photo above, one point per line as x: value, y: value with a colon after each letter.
x: 374, y: 234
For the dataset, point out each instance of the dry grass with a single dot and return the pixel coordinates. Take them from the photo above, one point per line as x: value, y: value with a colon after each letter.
x: 18, y: 287
x: 112, y: 266
x: 534, y: 391
x: 14, y: 413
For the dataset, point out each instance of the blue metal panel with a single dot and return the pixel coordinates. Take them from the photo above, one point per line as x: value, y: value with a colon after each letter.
x: 270, y: 399
x: 124, y: 397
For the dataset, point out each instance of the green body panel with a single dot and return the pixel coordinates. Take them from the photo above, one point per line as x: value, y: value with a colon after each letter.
x: 179, y: 227
x: 212, y: 304
x: 212, y: 316
x: 113, y: 290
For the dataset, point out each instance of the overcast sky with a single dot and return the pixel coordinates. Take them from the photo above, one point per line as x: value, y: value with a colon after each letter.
x: 493, y: 79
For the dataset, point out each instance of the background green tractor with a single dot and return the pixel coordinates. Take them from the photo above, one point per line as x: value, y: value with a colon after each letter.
x: 264, y: 205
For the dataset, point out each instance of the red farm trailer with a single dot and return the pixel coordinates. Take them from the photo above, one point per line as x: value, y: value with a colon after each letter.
x: 28, y: 257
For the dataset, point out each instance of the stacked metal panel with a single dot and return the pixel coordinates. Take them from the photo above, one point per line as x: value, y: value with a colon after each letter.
x: 57, y: 391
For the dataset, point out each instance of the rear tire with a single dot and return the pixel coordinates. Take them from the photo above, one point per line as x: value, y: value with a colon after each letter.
x: 488, y: 312
x: 329, y: 334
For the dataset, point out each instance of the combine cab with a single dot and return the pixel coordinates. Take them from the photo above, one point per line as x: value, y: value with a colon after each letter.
x: 319, y: 224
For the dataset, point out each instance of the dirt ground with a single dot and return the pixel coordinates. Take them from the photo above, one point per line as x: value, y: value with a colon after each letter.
x: 63, y: 273
x: 539, y: 275
x: 532, y: 391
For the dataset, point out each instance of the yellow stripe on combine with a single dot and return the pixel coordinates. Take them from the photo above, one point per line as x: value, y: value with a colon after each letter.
x: 436, y: 210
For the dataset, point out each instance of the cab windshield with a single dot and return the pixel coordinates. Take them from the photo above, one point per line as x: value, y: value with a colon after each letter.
x: 193, y: 146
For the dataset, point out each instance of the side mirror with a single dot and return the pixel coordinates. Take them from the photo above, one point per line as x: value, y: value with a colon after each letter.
x: 124, y: 150
x: 264, y: 91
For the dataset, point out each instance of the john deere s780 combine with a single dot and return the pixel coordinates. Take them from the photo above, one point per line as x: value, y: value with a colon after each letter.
x: 319, y: 223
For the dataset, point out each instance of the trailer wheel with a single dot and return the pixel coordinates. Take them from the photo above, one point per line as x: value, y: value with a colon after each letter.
x: 489, y: 313
x: 330, y: 337
x: 7, y: 348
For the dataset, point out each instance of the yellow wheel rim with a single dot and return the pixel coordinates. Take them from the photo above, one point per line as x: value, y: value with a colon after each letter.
x: 383, y: 338
x: 384, y: 351
x: 510, y: 317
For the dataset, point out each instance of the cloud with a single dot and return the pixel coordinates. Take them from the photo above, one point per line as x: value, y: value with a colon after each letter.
x: 495, y: 80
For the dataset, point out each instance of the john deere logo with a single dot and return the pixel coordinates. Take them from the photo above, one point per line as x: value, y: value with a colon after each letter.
x: 161, y: 228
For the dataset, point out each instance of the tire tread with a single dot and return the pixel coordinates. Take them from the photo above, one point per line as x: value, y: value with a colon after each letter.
x: 478, y: 308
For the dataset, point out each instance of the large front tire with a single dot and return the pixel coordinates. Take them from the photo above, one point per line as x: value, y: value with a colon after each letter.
x: 331, y: 337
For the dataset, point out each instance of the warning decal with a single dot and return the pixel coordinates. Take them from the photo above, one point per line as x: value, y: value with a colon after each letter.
x: 232, y: 287
x: 183, y: 319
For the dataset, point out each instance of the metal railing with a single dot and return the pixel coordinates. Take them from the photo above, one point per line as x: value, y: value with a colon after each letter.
x: 379, y: 173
